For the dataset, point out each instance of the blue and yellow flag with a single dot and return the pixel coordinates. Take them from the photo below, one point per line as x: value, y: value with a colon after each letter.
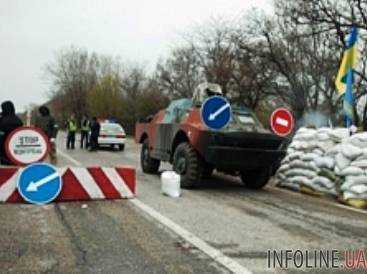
x: 350, y: 59
x: 344, y: 79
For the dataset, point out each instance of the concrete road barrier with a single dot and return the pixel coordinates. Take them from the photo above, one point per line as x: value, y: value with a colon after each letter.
x: 79, y: 184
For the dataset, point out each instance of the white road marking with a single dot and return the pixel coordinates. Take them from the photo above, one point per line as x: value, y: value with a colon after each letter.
x: 71, y: 159
x: 215, y: 254
x: 212, y: 252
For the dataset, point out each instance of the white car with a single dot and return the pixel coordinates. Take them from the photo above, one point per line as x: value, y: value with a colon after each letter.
x: 112, y: 134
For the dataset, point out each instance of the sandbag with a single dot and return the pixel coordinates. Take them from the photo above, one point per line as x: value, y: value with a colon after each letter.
x: 295, y: 155
x: 322, y: 181
x: 359, y: 189
x: 338, y: 134
x: 351, y: 195
x: 341, y: 161
x: 299, y: 164
x: 305, y: 137
x: 284, y: 168
x: 351, y: 171
x: 300, y: 172
x: 351, y: 152
x: 325, y: 162
x: 359, y: 163
x: 334, y: 150
x: 309, y: 156
x: 357, y: 203
x: 297, y: 180
x: 318, y: 151
x: 327, y: 173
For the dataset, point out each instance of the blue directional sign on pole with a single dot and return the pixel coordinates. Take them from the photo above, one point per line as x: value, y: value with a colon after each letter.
x: 39, y: 183
x: 216, y: 112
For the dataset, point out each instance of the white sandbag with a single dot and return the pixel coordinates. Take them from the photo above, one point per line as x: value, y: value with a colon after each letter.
x: 290, y: 185
x: 334, y: 150
x: 171, y: 184
x: 342, y: 161
x: 357, y: 142
x: 325, y: 162
x: 305, y: 137
x: 305, y: 130
x: 322, y: 136
x: 309, y: 156
x: 281, y: 177
x: 359, y: 189
x: 296, y: 172
x: 318, y: 151
x: 323, y: 181
x: 283, y: 168
x: 359, y: 163
x: 339, y: 134
x: 350, y: 151
x: 337, y: 170
x: 351, y: 195
x: 324, y: 130
x: 351, y: 171
x: 297, y: 180
x: 362, y: 179
x: 361, y: 136
x: 295, y: 155
x: 299, y: 164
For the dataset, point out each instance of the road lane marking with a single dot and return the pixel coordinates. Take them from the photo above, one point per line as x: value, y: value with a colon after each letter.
x: 212, y: 252
x: 71, y: 159
x: 215, y: 254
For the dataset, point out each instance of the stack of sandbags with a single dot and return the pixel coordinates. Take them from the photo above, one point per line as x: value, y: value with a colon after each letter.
x: 309, y: 163
x: 326, y: 181
x: 351, y: 165
x: 297, y: 166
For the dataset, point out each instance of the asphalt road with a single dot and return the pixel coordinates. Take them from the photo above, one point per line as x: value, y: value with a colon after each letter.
x: 119, y: 237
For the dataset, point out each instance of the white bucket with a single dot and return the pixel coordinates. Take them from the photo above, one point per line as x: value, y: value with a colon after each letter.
x: 171, y: 184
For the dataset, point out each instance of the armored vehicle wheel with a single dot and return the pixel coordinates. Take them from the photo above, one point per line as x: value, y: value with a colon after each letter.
x: 148, y: 164
x: 255, y: 179
x: 188, y: 164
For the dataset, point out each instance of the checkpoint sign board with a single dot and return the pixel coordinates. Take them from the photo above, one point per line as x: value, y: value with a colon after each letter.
x: 27, y: 145
x: 39, y: 183
x: 216, y: 112
x: 282, y: 122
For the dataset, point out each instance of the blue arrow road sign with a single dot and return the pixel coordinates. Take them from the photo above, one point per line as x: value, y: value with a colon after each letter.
x: 39, y: 183
x: 216, y: 112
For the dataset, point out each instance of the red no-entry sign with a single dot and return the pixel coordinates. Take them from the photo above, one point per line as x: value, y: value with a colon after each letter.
x: 282, y: 122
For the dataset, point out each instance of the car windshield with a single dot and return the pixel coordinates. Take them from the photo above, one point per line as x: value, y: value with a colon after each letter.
x: 115, y: 128
x: 244, y: 121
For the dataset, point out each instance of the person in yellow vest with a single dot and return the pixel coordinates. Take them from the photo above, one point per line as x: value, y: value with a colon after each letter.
x: 71, y: 128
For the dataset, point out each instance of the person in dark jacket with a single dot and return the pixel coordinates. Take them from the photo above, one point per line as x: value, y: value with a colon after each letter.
x: 48, y: 124
x: 8, y: 122
x: 94, y: 128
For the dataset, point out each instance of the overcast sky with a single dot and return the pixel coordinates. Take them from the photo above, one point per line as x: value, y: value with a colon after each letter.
x: 137, y: 30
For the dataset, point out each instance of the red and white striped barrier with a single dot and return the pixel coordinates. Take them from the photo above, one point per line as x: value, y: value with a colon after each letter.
x: 79, y: 184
